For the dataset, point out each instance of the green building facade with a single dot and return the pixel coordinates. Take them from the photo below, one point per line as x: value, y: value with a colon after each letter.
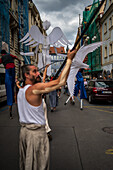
x: 93, y: 33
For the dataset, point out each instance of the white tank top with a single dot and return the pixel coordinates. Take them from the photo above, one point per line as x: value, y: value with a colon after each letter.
x: 27, y: 112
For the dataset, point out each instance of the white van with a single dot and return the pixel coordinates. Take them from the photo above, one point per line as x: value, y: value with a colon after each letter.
x: 3, y: 96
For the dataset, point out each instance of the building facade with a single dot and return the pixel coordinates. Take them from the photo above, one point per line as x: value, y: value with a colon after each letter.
x: 35, y: 19
x: 93, y: 34
x: 107, y: 34
x: 13, y: 26
x: 56, y: 59
x: 16, y: 18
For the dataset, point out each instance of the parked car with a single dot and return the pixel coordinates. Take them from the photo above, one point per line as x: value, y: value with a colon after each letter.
x: 100, y: 89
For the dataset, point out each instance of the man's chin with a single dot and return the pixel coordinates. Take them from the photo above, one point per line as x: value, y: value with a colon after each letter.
x: 36, y: 81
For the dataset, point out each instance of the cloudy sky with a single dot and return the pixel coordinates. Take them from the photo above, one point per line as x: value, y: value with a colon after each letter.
x: 62, y: 13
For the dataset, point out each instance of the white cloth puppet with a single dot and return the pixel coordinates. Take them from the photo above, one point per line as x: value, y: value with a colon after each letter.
x: 34, y: 37
x: 77, y: 63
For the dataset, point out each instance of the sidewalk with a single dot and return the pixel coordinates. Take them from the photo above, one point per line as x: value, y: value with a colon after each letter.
x: 9, y: 138
x: 78, y: 140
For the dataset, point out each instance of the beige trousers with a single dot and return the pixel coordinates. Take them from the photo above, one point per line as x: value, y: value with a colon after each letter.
x: 34, y: 148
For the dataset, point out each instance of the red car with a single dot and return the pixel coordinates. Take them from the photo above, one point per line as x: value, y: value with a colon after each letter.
x: 100, y: 89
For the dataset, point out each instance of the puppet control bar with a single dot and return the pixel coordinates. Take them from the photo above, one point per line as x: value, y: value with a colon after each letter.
x: 49, y: 64
x: 86, y: 28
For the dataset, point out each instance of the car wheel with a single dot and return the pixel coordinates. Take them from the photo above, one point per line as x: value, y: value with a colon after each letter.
x: 90, y: 99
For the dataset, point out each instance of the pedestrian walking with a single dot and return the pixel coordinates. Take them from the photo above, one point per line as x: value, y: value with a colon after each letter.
x: 53, y: 100
x: 34, y: 145
x: 8, y: 61
x: 66, y: 91
x: 79, y: 86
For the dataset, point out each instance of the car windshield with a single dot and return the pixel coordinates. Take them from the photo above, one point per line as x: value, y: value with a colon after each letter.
x: 104, y: 84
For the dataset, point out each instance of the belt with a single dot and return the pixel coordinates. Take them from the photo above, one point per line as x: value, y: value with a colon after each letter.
x: 32, y: 126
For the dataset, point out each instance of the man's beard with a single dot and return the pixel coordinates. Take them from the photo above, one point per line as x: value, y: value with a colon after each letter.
x: 35, y: 80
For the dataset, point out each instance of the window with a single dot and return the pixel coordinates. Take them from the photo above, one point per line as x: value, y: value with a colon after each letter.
x: 10, y: 3
x: 33, y: 49
x: 105, y: 55
x: 105, y: 28
x: 16, y: 2
x: 110, y: 2
x: 18, y: 41
x: 12, y: 37
x: 110, y: 22
x: 111, y: 49
x: 16, y: 6
x: 104, y: 84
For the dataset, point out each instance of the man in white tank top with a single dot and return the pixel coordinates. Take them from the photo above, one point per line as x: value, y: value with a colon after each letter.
x: 34, y: 144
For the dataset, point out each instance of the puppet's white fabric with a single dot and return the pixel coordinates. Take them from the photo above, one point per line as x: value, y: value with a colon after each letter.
x: 28, y: 40
x: 42, y: 65
x: 40, y: 61
x: 84, y: 50
x: 49, y: 71
x: 56, y: 36
x: 34, y: 37
x: 24, y: 38
x: 27, y: 54
x: 77, y: 63
x: 46, y: 25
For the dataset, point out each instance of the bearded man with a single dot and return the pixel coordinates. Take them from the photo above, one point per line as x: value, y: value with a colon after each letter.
x: 34, y: 144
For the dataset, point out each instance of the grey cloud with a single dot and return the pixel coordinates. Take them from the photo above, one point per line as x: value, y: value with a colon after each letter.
x: 63, y: 13
x: 59, y: 5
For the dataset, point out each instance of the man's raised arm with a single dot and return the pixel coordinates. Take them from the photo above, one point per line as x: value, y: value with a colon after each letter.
x: 55, y: 84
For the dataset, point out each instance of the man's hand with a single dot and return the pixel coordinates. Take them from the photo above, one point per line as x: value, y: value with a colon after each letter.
x: 47, y: 65
x: 71, y: 55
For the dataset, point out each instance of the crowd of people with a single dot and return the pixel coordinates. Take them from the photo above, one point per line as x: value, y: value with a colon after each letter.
x: 32, y: 108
